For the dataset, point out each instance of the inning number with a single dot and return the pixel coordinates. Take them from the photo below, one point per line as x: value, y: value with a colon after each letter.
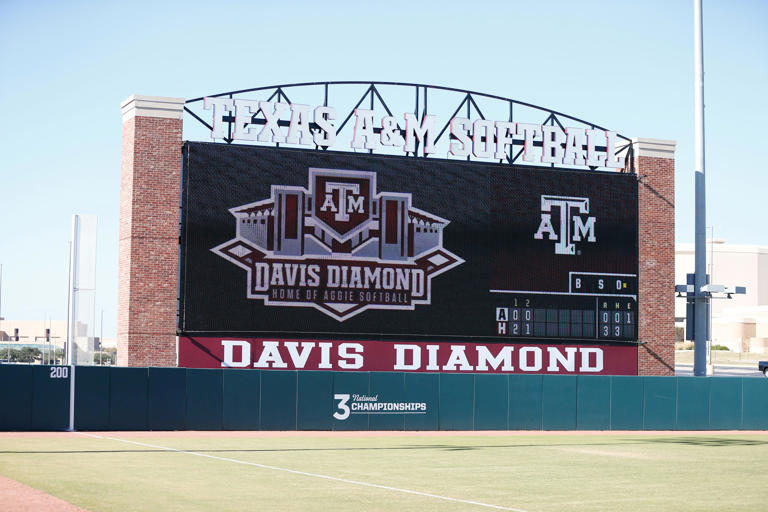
x: 343, y: 407
x: 59, y: 372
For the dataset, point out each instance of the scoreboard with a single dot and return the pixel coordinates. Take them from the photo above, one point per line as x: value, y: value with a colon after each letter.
x: 290, y: 242
x: 566, y: 266
x: 597, y: 306
x: 601, y: 317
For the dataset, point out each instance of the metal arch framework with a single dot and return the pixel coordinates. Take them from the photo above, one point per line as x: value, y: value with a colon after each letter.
x: 465, y: 99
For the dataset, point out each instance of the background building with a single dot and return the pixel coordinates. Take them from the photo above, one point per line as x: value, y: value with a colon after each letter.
x: 741, y: 322
x: 32, y: 334
x: 33, y: 331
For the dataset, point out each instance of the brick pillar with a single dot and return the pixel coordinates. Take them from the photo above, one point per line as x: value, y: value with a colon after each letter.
x: 654, y: 162
x: 150, y: 189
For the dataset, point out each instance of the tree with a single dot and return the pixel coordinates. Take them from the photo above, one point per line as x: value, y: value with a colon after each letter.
x: 28, y: 355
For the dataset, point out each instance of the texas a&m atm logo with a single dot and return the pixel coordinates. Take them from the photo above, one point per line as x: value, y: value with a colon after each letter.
x: 339, y: 246
x: 573, y: 227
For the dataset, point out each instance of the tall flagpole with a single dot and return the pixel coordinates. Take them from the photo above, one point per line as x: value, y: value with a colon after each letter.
x: 701, y: 299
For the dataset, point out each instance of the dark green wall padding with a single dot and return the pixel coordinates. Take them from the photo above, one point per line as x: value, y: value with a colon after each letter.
x: 110, y: 398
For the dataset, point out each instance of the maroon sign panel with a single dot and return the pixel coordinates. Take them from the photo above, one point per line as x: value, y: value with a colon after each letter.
x: 387, y: 356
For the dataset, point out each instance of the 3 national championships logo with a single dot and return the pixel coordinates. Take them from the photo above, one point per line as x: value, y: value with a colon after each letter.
x: 370, y: 404
x: 339, y: 246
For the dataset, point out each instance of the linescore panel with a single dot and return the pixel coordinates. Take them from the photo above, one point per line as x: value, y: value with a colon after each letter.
x: 606, y: 318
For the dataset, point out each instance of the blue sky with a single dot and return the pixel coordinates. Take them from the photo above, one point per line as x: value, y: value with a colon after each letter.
x: 66, y: 66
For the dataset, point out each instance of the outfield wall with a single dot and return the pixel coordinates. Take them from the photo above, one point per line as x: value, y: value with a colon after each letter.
x: 116, y: 398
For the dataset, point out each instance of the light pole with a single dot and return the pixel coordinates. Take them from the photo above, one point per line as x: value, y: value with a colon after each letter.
x: 701, y: 298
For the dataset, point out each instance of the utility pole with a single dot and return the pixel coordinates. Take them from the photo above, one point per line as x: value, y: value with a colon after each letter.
x: 700, y: 298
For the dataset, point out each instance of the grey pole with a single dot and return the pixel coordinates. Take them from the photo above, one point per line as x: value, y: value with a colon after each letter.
x: 700, y: 306
x: 73, y: 262
x: 71, y: 359
x: 69, y: 301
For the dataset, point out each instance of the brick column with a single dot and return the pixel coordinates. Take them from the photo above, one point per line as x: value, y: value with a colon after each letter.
x: 150, y: 189
x: 654, y: 162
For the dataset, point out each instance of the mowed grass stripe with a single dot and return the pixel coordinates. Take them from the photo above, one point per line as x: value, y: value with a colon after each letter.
x: 556, y: 472
x: 313, y: 475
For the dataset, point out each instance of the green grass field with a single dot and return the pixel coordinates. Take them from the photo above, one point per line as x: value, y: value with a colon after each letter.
x: 537, y: 472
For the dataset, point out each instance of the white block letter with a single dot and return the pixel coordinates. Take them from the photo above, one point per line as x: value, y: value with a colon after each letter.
x: 325, y: 355
x: 271, y: 131
x: 390, y: 132
x: 326, y: 137
x: 482, y: 128
x: 298, y: 131
x: 593, y: 156
x: 574, y: 146
x: 400, y: 363
x: 459, y: 127
x: 424, y: 132
x: 244, y: 110
x: 458, y: 357
x: 529, y: 132
x: 229, y: 358
x: 586, y: 364
x: 220, y: 107
x: 504, y: 132
x: 363, y: 130
x: 523, y: 359
x: 612, y: 160
x: 299, y: 359
x: 552, y: 147
x: 356, y: 357
x: 432, y: 365
x: 568, y: 360
x: 504, y: 356
x: 270, y: 354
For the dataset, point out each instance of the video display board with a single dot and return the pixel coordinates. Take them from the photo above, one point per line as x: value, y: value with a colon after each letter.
x: 302, y: 243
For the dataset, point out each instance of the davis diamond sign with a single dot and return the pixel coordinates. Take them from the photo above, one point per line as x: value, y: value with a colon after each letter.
x: 338, y: 246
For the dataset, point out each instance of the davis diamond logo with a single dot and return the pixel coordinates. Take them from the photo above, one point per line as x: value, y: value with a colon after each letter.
x: 340, y: 246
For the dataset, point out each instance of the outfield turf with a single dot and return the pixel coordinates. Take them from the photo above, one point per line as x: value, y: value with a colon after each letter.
x: 502, y: 471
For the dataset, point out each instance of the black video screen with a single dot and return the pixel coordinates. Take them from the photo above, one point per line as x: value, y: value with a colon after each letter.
x: 295, y: 242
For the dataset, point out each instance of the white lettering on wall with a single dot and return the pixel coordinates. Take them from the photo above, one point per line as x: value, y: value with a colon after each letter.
x: 483, y: 138
x: 229, y: 350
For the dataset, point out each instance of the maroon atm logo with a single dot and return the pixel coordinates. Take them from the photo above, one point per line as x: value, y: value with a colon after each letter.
x: 344, y: 200
x: 339, y: 246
